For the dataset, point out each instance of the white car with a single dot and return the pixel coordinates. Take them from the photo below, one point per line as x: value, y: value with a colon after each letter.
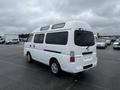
x: 116, y: 44
x: 15, y: 41
x: 108, y: 41
x: 101, y: 43
x: 66, y: 47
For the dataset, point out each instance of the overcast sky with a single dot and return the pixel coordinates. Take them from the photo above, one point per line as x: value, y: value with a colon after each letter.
x: 19, y: 16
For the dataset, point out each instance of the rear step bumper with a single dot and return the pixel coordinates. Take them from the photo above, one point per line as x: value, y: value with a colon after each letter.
x: 87, y: 66
x: 78, y: 69
x: 86, y: 53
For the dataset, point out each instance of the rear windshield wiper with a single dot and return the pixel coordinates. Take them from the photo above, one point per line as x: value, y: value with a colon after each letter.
x: 90, y: 44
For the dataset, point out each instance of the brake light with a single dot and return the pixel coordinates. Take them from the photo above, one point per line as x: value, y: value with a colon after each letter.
x: 72, y: 56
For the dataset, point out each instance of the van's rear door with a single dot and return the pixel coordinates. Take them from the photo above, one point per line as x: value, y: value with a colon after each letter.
x: 85, y: 49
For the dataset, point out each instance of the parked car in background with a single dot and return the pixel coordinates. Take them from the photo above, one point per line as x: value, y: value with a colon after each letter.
x: 2, y: 41
x: 101, y: 43
x: 11, y: 38
x: 108, y: 40
x: 15, y: 41
x: 116, y: 44
x: 113, y: 39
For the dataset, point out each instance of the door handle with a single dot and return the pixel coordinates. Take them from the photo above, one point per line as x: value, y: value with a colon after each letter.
x: 30, y: 45
x: 33, y: 46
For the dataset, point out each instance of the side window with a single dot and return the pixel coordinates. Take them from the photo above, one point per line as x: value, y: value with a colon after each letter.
x: 39, y: 38
x: 30, y: 38
x: 60, y: 25
x: 36, y: 38
x: 59, y: 38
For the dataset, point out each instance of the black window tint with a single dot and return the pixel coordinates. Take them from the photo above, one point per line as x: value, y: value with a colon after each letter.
x: 84, y: 38
x: 39, y: 38
x: 57, y: 38
x: 30, y: 38
x: 36, y: 38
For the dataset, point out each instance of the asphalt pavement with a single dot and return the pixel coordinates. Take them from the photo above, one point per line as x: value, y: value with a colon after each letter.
x: 17, y: 74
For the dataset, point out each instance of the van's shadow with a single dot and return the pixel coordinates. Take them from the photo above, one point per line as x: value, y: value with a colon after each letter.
x: 82, y: 76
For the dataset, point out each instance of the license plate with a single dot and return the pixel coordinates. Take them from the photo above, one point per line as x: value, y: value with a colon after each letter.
x: 87, y: 58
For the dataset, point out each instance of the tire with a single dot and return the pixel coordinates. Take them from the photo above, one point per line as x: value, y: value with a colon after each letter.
x: 55, y: 68
x: 28, y: 58
x: 114, y: 48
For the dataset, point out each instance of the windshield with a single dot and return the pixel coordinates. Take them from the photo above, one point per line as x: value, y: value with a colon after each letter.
x: 100, y: 40
x: 84, y: 38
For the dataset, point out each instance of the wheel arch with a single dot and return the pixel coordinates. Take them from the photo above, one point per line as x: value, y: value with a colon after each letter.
x: 52, y: 59
x: 28, y: 52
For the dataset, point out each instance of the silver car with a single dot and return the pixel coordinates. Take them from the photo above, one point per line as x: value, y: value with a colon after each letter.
x: 101, y: 43
x: 108, y: 40
x: 116, y: 44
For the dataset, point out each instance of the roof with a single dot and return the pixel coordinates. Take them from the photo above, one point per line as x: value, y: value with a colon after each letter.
x: 68, y: 25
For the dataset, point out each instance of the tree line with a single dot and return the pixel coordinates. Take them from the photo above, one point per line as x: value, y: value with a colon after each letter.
x: 23, y: 35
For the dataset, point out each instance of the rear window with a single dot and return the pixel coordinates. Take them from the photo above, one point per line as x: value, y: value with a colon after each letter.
x: 84, y: 38
x: 39, y: 38
x: 59, y: 38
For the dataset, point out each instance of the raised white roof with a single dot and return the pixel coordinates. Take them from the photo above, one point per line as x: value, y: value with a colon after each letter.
x: 68, y: 25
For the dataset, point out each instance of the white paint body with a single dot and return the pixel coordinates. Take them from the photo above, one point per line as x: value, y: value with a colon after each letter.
x: 44, y: 57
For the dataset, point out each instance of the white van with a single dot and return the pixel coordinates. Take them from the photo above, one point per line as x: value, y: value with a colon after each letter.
x: 66, y: 46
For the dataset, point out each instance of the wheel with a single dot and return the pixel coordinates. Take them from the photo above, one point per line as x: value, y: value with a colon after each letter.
x: 55, y: 68
x: 28, y: 58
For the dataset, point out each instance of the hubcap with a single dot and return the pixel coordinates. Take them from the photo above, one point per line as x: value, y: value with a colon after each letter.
x: 54, y: 68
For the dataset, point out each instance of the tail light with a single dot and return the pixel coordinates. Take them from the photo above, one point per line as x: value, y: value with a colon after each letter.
x: 72, y: 56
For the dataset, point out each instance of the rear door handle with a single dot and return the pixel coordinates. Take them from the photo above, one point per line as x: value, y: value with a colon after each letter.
x: 30, y: 45
x: 33, y: 46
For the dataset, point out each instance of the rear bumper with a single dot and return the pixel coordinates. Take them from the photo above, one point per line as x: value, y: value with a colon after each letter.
x: 73, y: 68
x: 116, y: 47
